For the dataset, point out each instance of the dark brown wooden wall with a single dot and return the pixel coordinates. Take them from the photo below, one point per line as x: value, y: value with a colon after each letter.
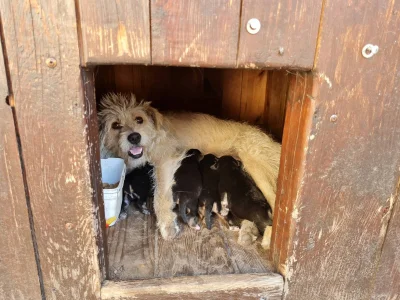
x: 255, y: 96
x: 43, y: 59
x: 200, y: 33
x: 19, y: 277
x: 338, y: 207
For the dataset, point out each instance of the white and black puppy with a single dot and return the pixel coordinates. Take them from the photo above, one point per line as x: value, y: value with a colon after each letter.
x: 138, y: 187
x: 187, y: 188
x: 209, y: 196
x: 241, y: 196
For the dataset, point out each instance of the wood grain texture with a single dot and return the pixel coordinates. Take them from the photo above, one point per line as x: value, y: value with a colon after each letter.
x: 196, y: 33
x: 387, y: 278
x: 275, y: 106
x: 351, y: 167
x: 299, y: 110
x: 292, y: 25
x: 18, y: 271
x: 114, y: 31
x: 137, y: 251
x: 237, y: 286
x: 49, y: 105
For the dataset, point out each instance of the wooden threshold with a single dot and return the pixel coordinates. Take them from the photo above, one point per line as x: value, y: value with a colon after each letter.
x: 231, y: 286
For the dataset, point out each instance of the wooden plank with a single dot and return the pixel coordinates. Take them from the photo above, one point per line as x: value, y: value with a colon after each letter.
x: 290, y: 25
x: 275, y: 107
x: 236, y: 286
x: 387, y: 278
x: 18, y: 269
x: 351, y: 164
x: 49, y: 106
x: 116, y: 31
x: 195, y: 33
x: 299, y: 110
x: 253, y: 96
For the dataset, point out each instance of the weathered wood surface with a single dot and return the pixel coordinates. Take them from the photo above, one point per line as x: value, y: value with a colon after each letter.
x: 196, y: 33
x: 49, y: 106
x: 387, y: 279
x: 290, y: 25
x: 18, y: 269
x: 299, y: 110
x: 137, y: 251
x: 340, y: 211
x: 236, y: 286
x: 114, y: 31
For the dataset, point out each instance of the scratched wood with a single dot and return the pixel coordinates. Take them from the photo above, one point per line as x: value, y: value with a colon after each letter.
x: 114, y: 31
x: 236, y: 286
x: 49, y: 106
x: 387, y: 278
x: 196, y: 33
x: 290, y: 25
x: 18, y: 270
x: 350, y: 167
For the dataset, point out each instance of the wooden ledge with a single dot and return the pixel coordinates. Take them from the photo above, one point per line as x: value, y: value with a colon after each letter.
x: 232, y: 286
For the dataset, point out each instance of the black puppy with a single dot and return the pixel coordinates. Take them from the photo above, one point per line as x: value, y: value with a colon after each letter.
x: 209, y: 195
x: 138, y: 187
x: 187, y: 188
x: 243, y: 199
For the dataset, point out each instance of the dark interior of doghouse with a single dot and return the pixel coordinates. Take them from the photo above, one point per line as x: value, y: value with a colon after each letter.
x: 135, y: 248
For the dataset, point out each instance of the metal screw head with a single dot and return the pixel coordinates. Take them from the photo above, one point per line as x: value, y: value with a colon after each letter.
x: 333, y: 118
x: 253, y: 26
x: 369, y: 50
x: 51, y: 62
x: 69, y: 226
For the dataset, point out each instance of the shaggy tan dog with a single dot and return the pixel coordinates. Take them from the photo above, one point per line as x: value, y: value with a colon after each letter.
x: 138, y: 133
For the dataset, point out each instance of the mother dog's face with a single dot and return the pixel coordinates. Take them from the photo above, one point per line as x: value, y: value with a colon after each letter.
x: 128, y: 128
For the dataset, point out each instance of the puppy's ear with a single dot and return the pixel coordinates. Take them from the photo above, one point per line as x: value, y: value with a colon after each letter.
x: 154, y: 115
x: 239, y: 163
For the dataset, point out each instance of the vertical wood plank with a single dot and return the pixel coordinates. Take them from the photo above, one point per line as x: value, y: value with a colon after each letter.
x: 196, y: 33
x: 387, y: 278
x: 275, y: 107
x: 49, y: 105
x: 231, y: 94
x: 253, y: 96
x: 115, y: 31
x: 351, y: 165
x: 18, y: 270
x: 290, y: 25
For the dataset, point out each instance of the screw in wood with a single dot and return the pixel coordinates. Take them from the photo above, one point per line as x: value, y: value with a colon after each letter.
x: 333, y: 118
x: 281, y: 50
x: 69, y: 226
x: 51, y: 62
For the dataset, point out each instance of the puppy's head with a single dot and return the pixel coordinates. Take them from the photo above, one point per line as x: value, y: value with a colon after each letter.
x: 127, y: 127
x: 228, y: 163
x: 209, y: 161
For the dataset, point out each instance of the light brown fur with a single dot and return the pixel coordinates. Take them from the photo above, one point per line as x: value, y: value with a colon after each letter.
x: 166, y: 137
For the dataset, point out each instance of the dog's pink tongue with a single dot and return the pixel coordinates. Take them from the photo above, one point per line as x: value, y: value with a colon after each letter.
x: 136, y: 150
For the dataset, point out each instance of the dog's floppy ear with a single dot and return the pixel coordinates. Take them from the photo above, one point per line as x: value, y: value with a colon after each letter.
x: 154, y: 114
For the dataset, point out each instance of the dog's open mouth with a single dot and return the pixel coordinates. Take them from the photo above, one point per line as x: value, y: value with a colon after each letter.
x: 136, y: 152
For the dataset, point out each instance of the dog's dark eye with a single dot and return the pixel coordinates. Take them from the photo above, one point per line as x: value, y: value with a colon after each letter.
x: 139, y: 120
x: 116, y: 125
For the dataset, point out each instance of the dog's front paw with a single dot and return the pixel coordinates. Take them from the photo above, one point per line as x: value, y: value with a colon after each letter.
x: 266, y: 241
x: 169, y: 231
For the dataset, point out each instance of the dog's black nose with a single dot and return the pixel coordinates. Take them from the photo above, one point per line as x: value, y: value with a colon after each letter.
x: 134, y: 138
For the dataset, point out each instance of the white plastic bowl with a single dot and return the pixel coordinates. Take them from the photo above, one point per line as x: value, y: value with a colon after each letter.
x: 112, y: 171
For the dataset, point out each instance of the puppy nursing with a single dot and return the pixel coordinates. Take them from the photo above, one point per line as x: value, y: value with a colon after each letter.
x: 138, y: 133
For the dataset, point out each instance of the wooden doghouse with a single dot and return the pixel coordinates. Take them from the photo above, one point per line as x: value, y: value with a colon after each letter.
x: 322, y: 76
